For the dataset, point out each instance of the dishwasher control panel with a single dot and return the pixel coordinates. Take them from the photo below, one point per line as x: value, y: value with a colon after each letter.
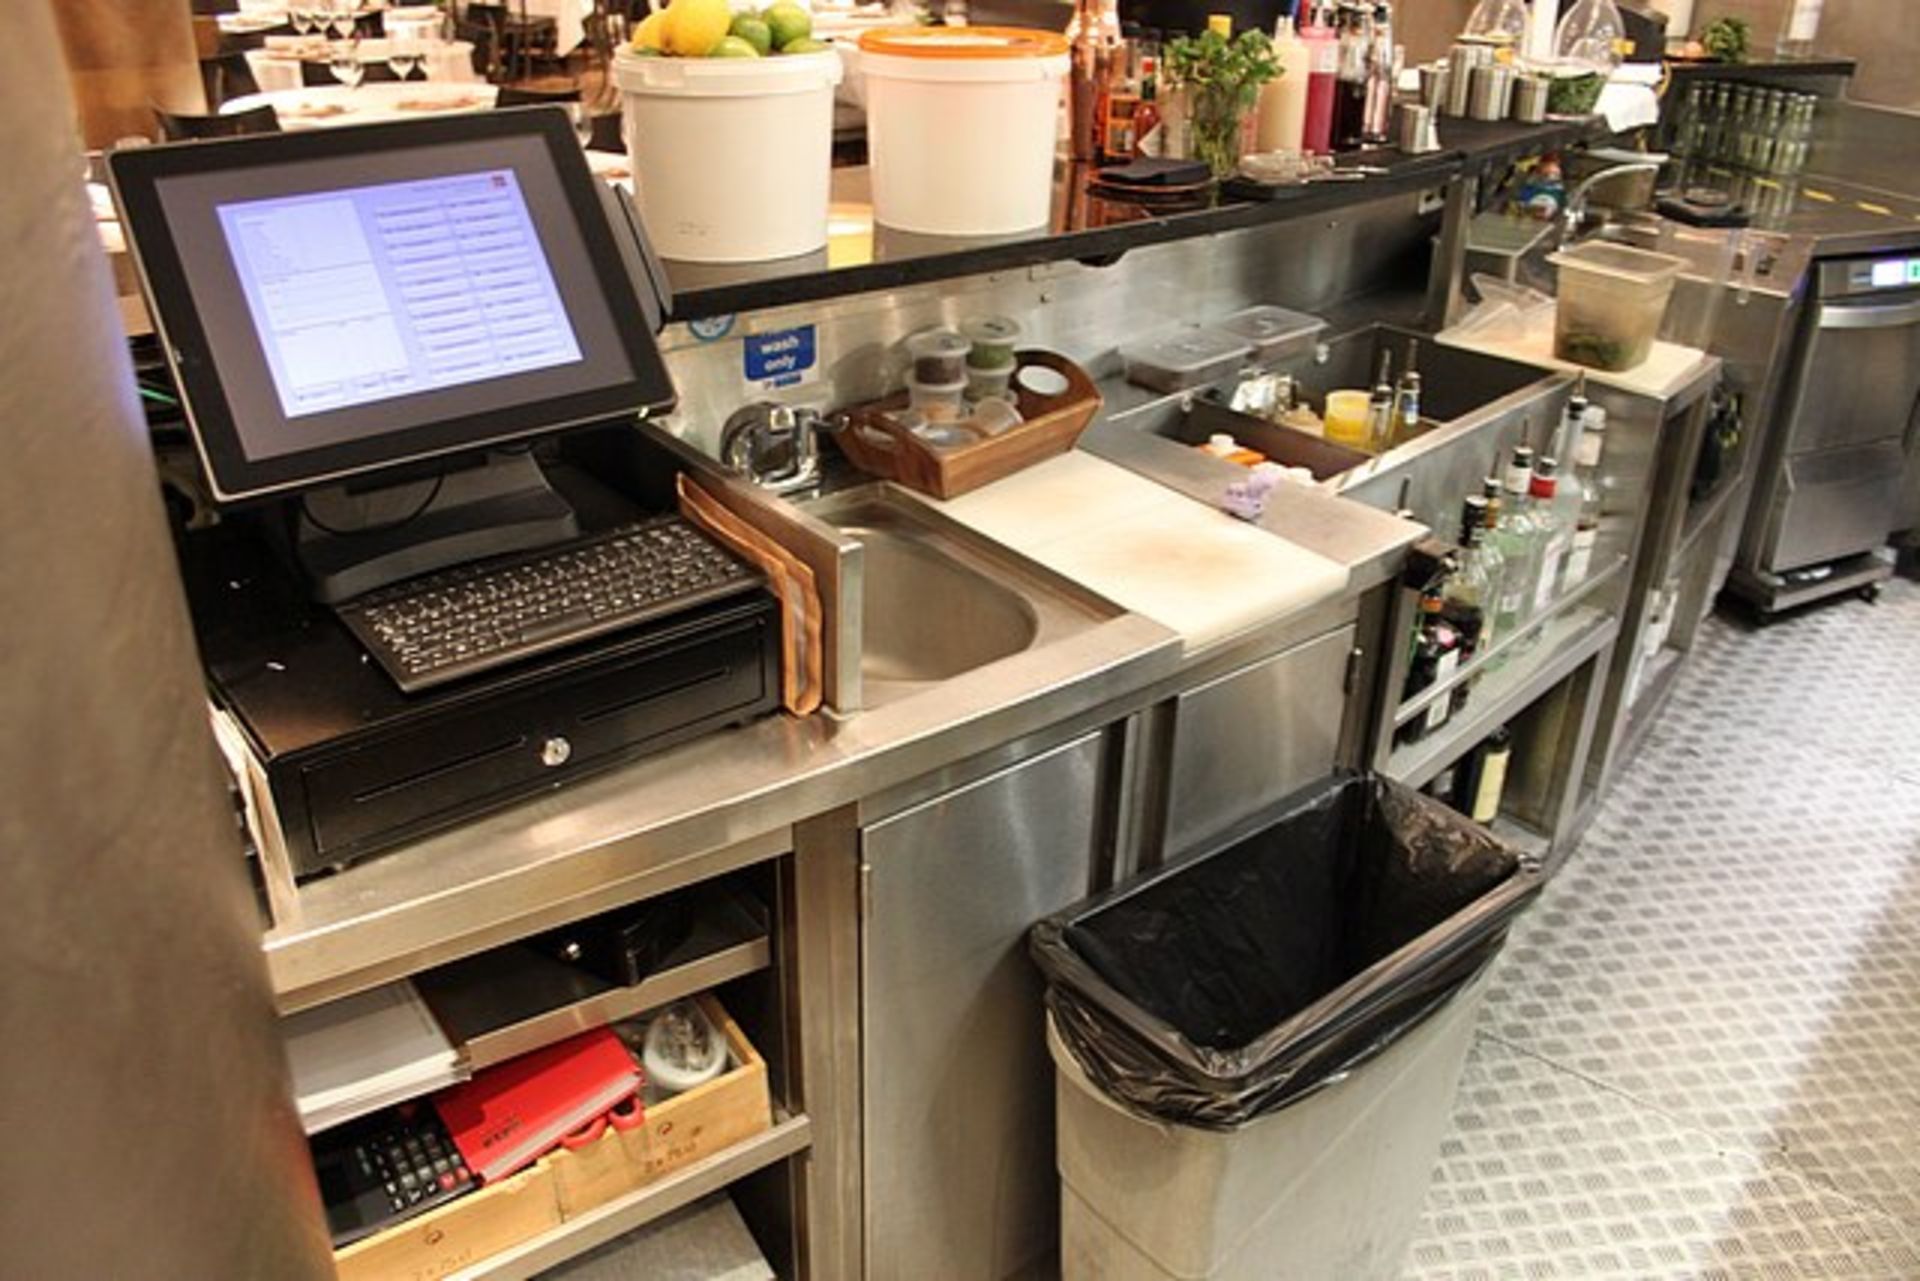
x: 1870, y: 275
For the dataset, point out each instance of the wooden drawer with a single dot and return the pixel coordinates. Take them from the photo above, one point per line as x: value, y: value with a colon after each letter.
x: 685, y: 1128
x: 459, y: 1233
x: 569, y: 1182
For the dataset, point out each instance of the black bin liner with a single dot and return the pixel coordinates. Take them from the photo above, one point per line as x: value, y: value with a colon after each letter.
x: 1281, y: 955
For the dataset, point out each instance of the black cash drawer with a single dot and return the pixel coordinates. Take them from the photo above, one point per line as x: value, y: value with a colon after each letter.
x: 354, y: 798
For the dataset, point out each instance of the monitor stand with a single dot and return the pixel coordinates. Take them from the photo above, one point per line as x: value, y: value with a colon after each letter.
x: 352, y: 540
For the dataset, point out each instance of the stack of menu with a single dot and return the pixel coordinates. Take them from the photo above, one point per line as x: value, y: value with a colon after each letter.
x: 361, y: 1053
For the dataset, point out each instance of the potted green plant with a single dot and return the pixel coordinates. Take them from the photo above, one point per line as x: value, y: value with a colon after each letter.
x: 1222, y: 79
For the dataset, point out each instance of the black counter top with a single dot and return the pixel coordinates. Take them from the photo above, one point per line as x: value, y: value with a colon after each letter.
x: 1769, y: 70
x: 862, y: 257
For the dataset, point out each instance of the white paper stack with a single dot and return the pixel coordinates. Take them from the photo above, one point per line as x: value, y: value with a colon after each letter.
x: 362, y: 1053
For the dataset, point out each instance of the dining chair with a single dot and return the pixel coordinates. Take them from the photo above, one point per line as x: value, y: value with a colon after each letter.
x: 182, y: 127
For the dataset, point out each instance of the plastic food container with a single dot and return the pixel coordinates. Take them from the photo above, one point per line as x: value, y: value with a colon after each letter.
x: 961, y: 126
x: 940, y: 402
x: 1612, y: 299
x: 988, y: 384
x: 1273, y: 332
x: 1185, y: 359
x: 994, y: 339
x: 732, y: 157
x: 939, y: 356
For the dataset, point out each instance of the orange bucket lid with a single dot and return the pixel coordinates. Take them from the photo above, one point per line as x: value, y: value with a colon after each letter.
x: 964, y: 42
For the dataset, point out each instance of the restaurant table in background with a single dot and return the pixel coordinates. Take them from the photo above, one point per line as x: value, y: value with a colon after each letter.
x: 333, y: 105
x: 277, y: 66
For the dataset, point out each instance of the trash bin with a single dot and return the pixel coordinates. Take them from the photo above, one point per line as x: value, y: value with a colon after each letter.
x: 1257, y: 1045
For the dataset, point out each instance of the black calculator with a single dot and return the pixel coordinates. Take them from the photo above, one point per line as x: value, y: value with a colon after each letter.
x: 381, y: 1169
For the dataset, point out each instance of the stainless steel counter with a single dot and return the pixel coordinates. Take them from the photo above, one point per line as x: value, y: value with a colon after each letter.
x: 729, y: 799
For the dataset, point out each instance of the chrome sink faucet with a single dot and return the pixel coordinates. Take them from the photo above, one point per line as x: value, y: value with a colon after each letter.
x: 777, y: 446
x: 1576, y: 212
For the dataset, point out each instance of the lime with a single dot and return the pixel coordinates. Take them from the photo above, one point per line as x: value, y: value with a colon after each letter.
x: 733, y: 47
x: 789, y: 22
x: 806, y: 44
x: 755, y: 32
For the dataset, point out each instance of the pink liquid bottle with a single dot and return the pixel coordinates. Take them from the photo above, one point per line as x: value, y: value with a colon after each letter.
x: 1323, y: 65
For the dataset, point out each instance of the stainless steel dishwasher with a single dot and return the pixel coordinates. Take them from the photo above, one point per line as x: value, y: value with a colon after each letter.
x: 1831, y: 486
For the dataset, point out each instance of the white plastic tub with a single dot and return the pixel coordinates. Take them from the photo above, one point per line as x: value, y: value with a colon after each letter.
x: 961, y: 124
x: 732, y: 157
x: 1328, y: 1188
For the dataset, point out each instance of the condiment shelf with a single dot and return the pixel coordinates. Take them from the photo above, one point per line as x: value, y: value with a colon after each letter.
x: 789, y: 1135
x: 513, y: 999
x: 1571, y: 637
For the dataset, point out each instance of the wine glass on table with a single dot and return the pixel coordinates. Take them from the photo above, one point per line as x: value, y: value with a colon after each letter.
x: 404, y: 55
x: 301, y: 19
x: 345, y: 64
x: 343, y: 18
x: 582, y: 117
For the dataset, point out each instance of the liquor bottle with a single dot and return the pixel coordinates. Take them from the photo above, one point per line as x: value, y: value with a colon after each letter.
x: 1350, y: 82
x: 1380, y: 408
x: 1436, y: 656
x: 1323, y: 68
x: 1480, y: 780
x: 1590, y: 484
x: 1515, y: 538
x: 1380, y: 76
x: 1096, y: 53
x: 1566, y: 441
x: 1406, y: 397
x: 1490, y: 553
x: 1282, y: 111
x: 1557, y: 515
x: 1120, y: 114
x: 1467, y: 595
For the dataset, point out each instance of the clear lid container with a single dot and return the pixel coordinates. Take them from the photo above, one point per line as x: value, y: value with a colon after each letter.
x: 1185, y: 358
x: 1590, y: 35
x: 1273, y: 332
x: 994, y: 339
x: 1504, y: 21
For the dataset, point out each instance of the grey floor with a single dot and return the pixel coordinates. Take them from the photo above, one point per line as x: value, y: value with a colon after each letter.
x: 1700, y: 1056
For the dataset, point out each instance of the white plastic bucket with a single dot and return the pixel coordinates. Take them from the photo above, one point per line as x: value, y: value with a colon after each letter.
x: 732, y: 157
x: 961, y: 124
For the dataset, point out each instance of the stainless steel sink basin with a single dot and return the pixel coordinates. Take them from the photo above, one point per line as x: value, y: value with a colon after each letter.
x: 937, y: 600
x: 926, y: 616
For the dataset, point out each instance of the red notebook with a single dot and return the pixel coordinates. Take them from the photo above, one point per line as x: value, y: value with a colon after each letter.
x: 512, y: 1112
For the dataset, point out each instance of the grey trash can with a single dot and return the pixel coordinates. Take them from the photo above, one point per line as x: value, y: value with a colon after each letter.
x: 1257, y: 1046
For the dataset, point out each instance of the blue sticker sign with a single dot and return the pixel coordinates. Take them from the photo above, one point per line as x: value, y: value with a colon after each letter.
x: 783, y: 358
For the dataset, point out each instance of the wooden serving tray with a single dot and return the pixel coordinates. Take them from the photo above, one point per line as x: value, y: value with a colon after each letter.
x: 880, y: 447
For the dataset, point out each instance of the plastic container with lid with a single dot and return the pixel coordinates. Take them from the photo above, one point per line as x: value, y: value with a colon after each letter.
x: 1187, y: 358
x: 960, y: 127
x: 732, y: 157
x: 939, y: 356
x: 1273, y: 332
x: 940, y: 402
x: 1611, y: 301
x: 986, y: 384
x: 994, y: 339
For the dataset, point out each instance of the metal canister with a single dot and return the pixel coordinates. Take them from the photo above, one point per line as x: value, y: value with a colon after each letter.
x: 1460, y: 65
x: 1416, y: 136
x: 1491, y: 93
x: 1435, y: 77
x: 1530, y: 99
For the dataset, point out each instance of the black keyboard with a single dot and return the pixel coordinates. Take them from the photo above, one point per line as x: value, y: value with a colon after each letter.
x: 460, y: 622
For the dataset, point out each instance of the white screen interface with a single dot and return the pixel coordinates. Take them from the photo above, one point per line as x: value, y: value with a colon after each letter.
x: 364, y: 294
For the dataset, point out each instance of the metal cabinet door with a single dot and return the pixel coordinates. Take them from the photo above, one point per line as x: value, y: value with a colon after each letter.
x: 1254, y: 735
x: 1859, y: 375
x: 957, y: 1088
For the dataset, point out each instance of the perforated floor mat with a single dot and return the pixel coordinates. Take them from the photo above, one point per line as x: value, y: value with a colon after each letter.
x: 1700, y: 1056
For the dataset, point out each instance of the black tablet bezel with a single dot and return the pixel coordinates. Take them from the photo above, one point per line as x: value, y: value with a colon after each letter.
x: 234, y: 477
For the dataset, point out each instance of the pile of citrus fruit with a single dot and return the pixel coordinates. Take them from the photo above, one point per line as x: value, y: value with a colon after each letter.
x: 710, y: 29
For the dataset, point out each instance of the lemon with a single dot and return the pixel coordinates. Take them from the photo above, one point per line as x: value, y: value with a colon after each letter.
x: 789, y: 23
x: 755, y: 32
x: 806, y: 44
x: 650, y: 35
x: 733, y: 47
x: 694, y: 27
